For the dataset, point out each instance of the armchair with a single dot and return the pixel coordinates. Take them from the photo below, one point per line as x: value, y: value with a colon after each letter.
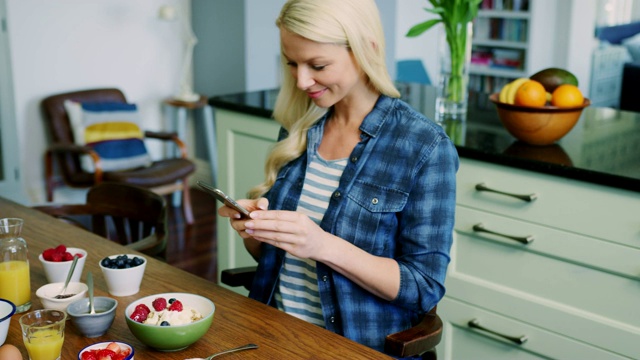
x: 165, y: 176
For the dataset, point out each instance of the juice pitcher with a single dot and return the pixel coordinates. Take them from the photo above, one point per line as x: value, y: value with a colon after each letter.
x: 15, y: 282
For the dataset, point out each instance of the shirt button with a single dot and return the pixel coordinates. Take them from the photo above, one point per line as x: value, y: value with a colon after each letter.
x: 337, y: 194
x: 325, y: 278
x: 374, y: 201
x: 354, y: 159
x: 332, y: 319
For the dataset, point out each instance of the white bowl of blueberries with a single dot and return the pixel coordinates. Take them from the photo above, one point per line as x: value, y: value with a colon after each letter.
x: 123, y: 273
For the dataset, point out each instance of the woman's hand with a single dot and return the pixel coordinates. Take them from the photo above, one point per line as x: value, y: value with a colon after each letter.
x: 291, y: 231
x: 236, y: 220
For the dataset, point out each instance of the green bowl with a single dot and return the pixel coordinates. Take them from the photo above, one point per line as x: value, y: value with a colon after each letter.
x: 176, y: 337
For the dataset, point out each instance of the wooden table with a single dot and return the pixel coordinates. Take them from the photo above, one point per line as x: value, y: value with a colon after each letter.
x: 238, y: 320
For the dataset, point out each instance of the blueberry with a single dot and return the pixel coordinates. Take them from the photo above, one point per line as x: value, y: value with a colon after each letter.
x: 165, y: 323
x: 172, y: 300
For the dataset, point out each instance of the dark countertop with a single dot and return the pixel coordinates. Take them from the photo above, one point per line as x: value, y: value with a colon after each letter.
x: 603, y: 148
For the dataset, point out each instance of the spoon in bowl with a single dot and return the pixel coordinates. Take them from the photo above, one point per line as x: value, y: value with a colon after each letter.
x: 239, y: 348
x: 62, y: 294
x: 92, y: 310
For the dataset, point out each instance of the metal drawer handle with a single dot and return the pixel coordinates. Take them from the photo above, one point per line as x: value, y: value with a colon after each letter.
x: 528, y: 198
x: 474, y: 323
x: 521, y: 239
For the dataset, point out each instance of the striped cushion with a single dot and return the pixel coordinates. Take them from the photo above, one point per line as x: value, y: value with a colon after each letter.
x: 112, y: 130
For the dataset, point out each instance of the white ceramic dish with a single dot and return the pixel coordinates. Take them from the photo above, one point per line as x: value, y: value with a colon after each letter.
x: 124, y: 282
x: 7, y: 309
x: 104, y: 344
x: 47, y: 293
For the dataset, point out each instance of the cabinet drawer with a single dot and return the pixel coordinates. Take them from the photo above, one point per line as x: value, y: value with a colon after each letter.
x: 461, y: 342
x: 583, y: 280
x: 575, y: 206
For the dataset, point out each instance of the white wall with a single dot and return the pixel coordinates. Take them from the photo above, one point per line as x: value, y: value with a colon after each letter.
x: 66, y: 45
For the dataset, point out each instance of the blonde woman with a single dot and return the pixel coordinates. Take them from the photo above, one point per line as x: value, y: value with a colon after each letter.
x: 353, y: 225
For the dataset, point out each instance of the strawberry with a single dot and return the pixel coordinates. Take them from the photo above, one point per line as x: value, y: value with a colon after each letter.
x: 176, y: 306
x: 88, y: 355
x: 159, y: 304
x: 61, y: 249
x: 67, y: 256
x: 114, y: 347
x: 106, y: 354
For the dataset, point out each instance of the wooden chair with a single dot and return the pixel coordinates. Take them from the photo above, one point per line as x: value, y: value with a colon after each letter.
x: 420, y: 340
x: 164, y: 176
x: 131, y: 215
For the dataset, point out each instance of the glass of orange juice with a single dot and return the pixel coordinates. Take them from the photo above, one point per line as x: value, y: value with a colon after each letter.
x: 43, y: 333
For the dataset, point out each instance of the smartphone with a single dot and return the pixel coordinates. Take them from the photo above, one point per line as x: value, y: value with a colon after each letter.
x: 224, y: 198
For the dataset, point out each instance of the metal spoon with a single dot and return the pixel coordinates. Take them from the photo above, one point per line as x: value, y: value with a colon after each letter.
x: 239, y: 348
x: 90, y: 286
x: 62, y: 294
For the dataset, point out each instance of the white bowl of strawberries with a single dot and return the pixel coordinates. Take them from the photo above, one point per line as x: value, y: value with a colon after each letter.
x: 57, y: 262
x: 109, y: 350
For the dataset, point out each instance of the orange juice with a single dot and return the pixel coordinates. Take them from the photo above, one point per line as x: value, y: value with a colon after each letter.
x: 15, y: 285
x: 44, y: 344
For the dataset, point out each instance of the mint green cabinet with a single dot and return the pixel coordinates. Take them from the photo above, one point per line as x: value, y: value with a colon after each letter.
x: 561, y: 270
x: 243, y: 144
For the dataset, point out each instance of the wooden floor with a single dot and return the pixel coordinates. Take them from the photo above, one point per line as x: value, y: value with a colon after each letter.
x: 193, y: 248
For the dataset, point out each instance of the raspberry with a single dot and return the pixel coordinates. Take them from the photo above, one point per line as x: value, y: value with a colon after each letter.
x: 176, y: 306
x: 57, y: 257
x: 144, y: 309
x: 159, y: 304
x: 61, y: 249
x: 138, y: 316
x: 67, y: 256
x: 79, y: 255
x: 48, y: 254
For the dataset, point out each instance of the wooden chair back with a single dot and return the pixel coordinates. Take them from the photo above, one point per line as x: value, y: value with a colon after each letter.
x: 133, y: 216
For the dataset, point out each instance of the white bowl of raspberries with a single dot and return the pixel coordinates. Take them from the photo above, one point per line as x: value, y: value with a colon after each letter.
x: 170, y: 321
x: 56, y: 262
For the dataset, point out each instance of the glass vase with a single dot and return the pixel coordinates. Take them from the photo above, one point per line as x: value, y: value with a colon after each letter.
x: 455, y: 59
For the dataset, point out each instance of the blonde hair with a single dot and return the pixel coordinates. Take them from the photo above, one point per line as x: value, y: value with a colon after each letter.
x: 352, y: 23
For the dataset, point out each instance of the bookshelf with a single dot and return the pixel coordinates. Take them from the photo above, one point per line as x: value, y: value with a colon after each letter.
x: 500, y: 47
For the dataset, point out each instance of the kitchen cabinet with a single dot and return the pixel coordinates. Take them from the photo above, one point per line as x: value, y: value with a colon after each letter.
x: 563, y: 272
x: 243, y: 144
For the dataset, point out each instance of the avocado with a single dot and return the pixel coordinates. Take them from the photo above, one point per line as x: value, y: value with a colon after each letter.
x: 551, y: 78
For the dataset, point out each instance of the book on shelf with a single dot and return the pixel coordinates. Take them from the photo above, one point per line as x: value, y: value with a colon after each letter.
x: 513, y: 5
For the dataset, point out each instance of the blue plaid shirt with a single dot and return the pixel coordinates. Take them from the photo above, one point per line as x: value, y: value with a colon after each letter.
x: 396, y: 199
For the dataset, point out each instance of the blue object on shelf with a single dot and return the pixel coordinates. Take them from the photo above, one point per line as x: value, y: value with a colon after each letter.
x: 412, y: 71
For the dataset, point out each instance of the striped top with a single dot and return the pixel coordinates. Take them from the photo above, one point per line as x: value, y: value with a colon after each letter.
x: 297, y: 290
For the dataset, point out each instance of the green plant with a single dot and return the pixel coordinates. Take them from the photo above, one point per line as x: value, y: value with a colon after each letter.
x: 454, y: 15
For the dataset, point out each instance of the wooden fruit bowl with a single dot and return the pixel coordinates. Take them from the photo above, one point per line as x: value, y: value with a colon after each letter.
x: 537, y: 125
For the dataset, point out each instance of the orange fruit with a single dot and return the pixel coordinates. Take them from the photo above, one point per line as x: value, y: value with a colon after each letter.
x: 531, y: 93
x: 567, y: 95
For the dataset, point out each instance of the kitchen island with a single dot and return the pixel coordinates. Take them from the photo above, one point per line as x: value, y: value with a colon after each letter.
x: 545, y: 259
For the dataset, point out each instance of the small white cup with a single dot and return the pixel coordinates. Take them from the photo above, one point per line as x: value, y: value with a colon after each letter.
x: 58, y: 271
x: 124, y: 282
